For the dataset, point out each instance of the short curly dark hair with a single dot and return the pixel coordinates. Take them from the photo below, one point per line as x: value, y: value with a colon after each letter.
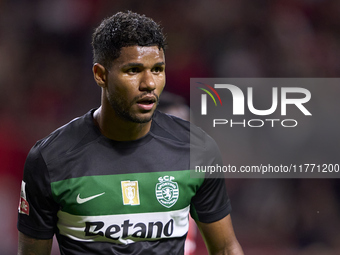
x: 124, y: 29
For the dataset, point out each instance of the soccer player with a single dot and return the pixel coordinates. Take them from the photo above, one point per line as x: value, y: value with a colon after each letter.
x: 117, y: 180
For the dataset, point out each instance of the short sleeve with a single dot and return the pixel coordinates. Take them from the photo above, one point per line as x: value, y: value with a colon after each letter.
x: 211, y: 202
x: 37, y: 214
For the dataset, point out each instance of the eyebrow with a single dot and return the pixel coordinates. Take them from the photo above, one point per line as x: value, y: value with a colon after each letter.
x: 140, y: 64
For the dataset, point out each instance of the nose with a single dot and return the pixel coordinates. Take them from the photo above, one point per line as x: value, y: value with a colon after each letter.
x: 147, y: 82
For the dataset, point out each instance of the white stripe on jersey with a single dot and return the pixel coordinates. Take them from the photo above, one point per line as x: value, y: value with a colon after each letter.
x: 124, y: 228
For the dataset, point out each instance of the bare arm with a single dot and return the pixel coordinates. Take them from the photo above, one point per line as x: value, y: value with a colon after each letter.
x: 220, y: 238
x: 31, y: 246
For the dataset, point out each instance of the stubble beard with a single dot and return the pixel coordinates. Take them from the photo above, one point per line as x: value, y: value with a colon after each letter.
x: 122, y: 109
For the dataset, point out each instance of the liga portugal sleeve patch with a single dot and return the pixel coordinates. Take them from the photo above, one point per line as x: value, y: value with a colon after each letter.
x: 24, y: 207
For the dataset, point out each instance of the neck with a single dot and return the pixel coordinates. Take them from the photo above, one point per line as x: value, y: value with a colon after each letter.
x: 116, y: 128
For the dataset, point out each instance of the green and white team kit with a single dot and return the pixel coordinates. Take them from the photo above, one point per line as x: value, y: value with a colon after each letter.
x: 101, y: 196
x: 125, y: 208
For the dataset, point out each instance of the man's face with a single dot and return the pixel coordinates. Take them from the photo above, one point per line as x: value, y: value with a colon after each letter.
x: 135, y: 82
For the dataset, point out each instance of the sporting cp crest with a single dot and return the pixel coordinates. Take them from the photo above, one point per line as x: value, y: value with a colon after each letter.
x: 167, y: 191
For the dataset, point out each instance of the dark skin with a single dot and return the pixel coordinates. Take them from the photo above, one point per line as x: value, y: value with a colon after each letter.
x: 138, y: 72
x: 138, y: 78
x: 31, y: 246
x: 219, y: 237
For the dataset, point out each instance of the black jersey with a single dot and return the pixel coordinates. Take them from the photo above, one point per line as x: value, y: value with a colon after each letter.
x: 101, y: 196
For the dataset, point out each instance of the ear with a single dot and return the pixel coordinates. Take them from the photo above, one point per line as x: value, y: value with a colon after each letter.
x: 99, y: 74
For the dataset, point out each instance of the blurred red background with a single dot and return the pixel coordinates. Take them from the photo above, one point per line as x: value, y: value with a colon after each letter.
x: 46, y: 80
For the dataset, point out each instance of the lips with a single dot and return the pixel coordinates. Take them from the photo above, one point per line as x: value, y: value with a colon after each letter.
x: 146, y: 103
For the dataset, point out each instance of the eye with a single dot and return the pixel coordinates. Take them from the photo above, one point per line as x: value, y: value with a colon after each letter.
x: 157, y: 69
x: 133, y: 70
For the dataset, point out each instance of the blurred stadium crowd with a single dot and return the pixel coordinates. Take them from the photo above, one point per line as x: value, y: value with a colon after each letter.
x: 46, y: 80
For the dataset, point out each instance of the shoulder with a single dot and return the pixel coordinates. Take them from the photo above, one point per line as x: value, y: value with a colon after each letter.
x: 63, y: 139
x: 185, y: 131
x: 167, y: 125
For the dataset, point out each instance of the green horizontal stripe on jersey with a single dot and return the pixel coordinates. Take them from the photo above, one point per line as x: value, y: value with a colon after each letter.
x: 103, y: 195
